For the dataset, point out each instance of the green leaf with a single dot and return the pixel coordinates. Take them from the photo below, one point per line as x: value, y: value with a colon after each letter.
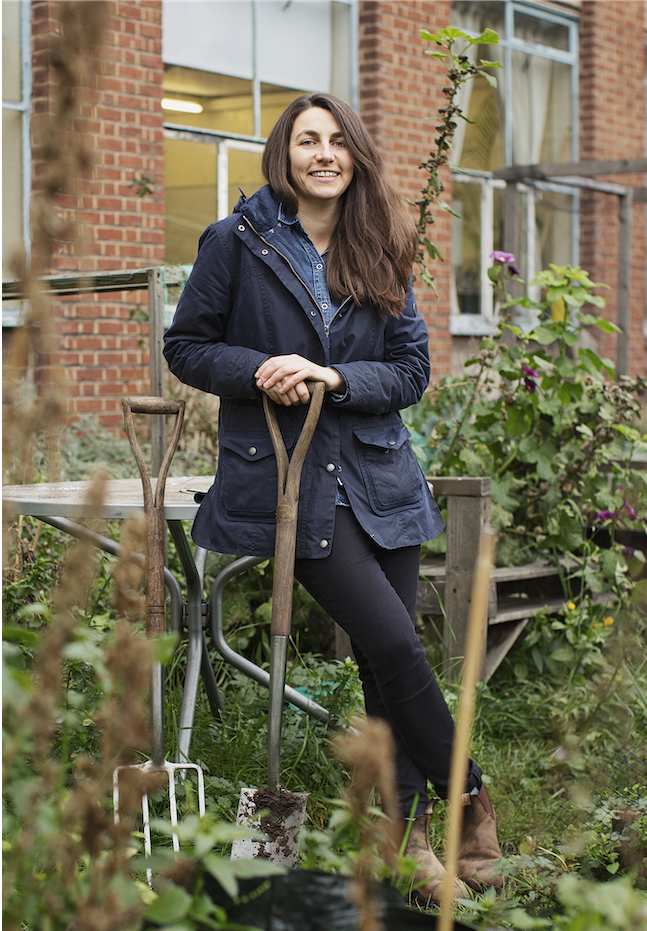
x: 489, y: 37
x: 224, y: 871
x: 545, y: 335
x: 172, y: 905
x: 492, y: 81
x: 164, y: 646
x: 490, y: 64
x: 605, y: 325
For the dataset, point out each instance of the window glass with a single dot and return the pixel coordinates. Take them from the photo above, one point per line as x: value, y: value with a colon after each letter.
x: 541, y: 110
x: 11, y: 65
x: 12, y: 193
x: 226, y: 103
x: 244, y: 175
x: 478, y: 15
x: 480, y: 146
x: 554, y: 221
x: 540, y: 31
x: 466, y: 247
x: 191, y: 187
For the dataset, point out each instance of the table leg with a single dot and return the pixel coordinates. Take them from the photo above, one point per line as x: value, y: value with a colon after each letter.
x: 241, y: 662
x: 194, y: 624
x: 172, y: 585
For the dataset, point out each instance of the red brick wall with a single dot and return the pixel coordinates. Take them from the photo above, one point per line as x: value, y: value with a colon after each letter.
x: 400, y: 87
x: 104, y: 348
x: 612, y: 125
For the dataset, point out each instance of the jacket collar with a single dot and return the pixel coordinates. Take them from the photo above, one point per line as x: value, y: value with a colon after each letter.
x: 262, y: 209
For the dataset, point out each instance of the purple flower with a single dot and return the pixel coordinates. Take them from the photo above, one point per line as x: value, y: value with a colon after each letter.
x: 630, y: 511
x: 606, y: 515
x: 628, y: 552
x: 513, y: 270
x: 528, y: 371
x: 530, y: 385
x: 503, y: 258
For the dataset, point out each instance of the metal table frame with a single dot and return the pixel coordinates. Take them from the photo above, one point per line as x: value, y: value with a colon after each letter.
x: 56, y: 503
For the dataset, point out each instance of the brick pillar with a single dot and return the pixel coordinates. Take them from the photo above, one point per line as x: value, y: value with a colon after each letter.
x: 104, y: 345
x: 612, y: 125
x: 400, y: 87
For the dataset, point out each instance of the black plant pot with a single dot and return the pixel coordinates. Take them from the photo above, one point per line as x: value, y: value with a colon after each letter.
x: 302, y: 900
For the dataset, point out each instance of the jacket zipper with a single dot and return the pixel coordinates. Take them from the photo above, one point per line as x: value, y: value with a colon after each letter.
x: 299, y: 278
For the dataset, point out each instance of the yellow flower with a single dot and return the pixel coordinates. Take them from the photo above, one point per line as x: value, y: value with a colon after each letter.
x: 571, y: 606
x: 608, y: 621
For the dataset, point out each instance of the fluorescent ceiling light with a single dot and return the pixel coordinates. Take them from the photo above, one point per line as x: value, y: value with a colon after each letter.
x: 183, y: 106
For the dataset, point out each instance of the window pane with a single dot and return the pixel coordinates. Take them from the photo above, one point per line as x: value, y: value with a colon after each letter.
x: 191, y: 185
x: 478, y: 15
x: 12, y: 226
x: 274, y: 100
x: 554, y: 221
x: 541, y: 110
x: 11, y: 66
x: 541, y: 32
x: 466, y: 247
x: 227, y: 102
x: 244, y: 173
x: 478, y: 144
x: 340, y: 77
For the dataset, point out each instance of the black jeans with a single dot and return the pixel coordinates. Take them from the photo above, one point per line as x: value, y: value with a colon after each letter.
x: 371, y: 593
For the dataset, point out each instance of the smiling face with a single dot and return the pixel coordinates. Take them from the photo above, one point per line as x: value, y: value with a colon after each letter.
x: 320, y: 164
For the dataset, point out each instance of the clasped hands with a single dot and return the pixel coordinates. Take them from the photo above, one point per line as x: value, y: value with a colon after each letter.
x: 283, y: 379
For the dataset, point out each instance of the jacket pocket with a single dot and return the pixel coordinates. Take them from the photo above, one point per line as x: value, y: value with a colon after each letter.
x: 391, y: 473
x: 247, y: 476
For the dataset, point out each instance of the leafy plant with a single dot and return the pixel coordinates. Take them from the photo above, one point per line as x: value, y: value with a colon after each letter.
x: 541, y: 417
x: 459, y: 70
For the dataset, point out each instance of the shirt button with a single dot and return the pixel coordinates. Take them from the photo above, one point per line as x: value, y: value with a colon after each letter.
x: 319, y: 265
x: 241, y: 228
x: 324, y: 306
x: 252, y: 450
x: 330, y: 467
x: 323, y: 544
x: 264, y: 252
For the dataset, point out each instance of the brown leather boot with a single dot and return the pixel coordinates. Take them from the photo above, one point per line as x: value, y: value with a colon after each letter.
x: 479, y: 846
x: 431, y: 874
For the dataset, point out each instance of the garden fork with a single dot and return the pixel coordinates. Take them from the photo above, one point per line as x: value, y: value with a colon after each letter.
x: 155, y: 617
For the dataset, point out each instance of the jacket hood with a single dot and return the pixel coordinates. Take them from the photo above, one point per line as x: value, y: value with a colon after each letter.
x: 262, y: 208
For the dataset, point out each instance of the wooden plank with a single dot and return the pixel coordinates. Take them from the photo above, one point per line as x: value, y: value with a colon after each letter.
x: 464, y: 485
x: 526, y: 608
x: 586, y: 169
x: 532, y: 570
x: 466, y: 516
x: 500, y: 640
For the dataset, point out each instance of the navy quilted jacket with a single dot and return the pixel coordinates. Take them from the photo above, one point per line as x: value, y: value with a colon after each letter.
x: 244, y: 302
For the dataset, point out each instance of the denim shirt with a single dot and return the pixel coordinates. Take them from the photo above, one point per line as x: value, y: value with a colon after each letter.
x: 292, y: 241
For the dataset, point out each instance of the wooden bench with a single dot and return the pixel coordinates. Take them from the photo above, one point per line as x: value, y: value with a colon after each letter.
x: 517, y: 593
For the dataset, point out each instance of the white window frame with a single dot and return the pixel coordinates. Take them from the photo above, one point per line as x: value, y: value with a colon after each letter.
x: 482, y: 324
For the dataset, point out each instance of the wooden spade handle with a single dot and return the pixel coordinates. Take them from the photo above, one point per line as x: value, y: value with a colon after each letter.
x: 154, y: 503
x: 287, y: 506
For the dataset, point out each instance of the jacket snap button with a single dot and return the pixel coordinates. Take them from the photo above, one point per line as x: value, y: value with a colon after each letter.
x: 264, y: 252
x: 252, y: 450
x: 330, y: 467
x: 241, y: 228
x: 323, y: 544
x: 391, y: 442
x: 312, y: 313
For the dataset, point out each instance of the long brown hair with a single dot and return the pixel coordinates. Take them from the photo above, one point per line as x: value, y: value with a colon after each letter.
x: 374, y: 244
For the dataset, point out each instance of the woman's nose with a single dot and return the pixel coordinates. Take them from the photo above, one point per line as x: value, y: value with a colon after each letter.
x: 325, y: 153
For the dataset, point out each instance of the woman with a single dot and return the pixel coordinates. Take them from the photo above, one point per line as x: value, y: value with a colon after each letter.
x: 309, y: 279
